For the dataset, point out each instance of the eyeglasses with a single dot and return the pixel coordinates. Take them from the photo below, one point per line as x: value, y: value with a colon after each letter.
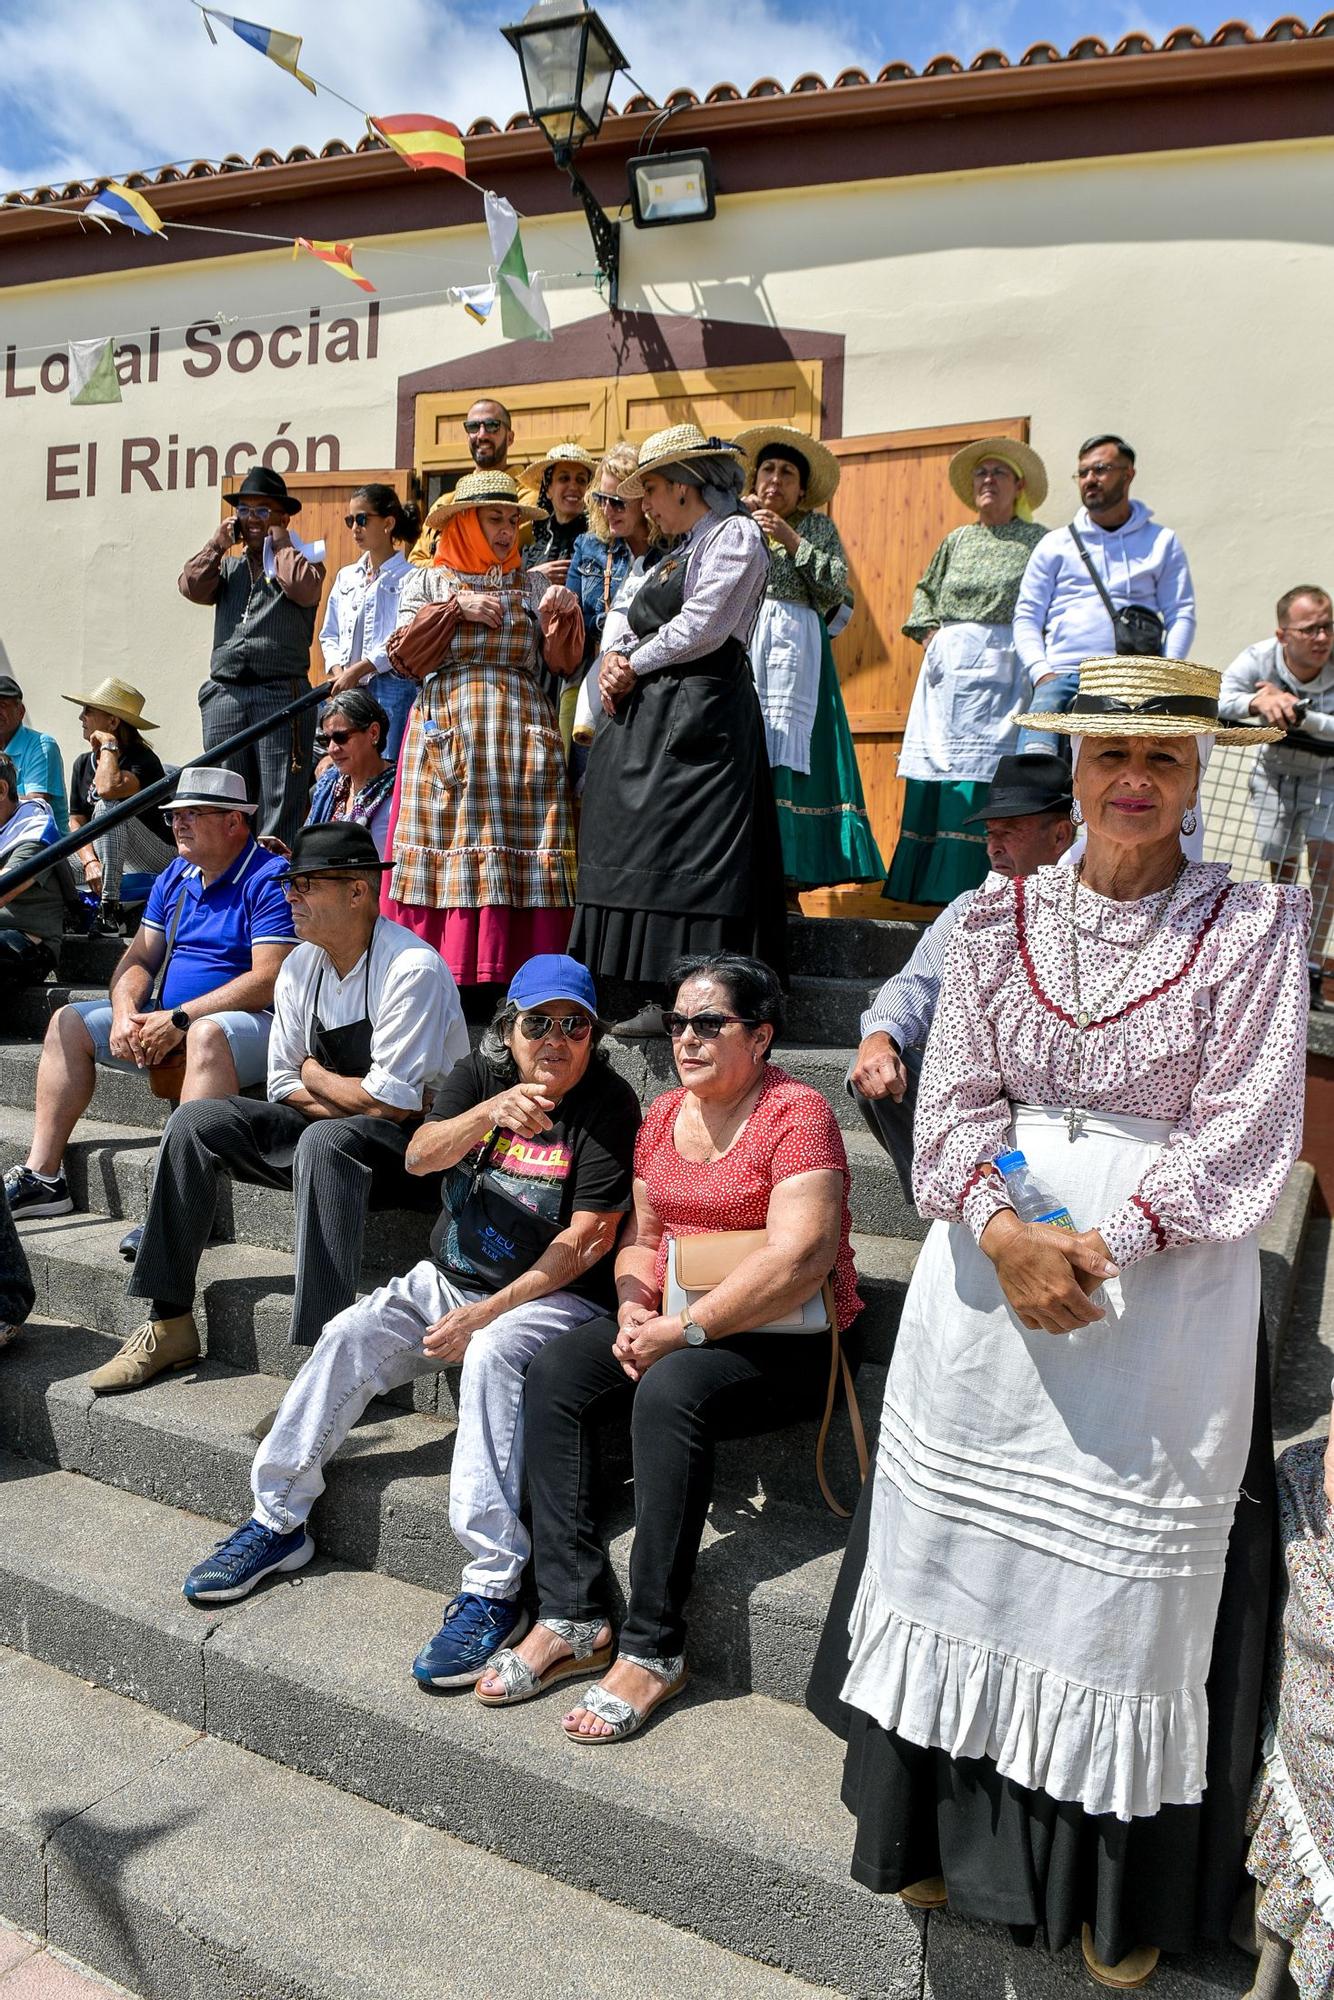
x: 611, y: 503
x: 197, y: 812
x: 253, y: 513
x: 344, y: 735
x: 483, y: 424
x: 574, y: 1027
x: 1310, y: 631
x: 705, y: 1027
x: 300, y: 885
x: 1098, y: 471
x: 360, y: 520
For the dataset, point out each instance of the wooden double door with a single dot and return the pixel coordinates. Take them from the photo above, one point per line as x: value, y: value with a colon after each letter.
x: 893, y: 506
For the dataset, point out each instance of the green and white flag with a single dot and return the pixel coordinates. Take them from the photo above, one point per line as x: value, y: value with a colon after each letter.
x: 92, y: 372
x: 523, y: 311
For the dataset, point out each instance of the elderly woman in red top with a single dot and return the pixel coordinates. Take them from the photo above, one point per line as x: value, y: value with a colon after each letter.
x: 741, y: 1145
x: 483, y: 840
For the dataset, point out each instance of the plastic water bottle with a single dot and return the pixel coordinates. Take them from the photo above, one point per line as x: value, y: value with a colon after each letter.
x: 1029, y: 1198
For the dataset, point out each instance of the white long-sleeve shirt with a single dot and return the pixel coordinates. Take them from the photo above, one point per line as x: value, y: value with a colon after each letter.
x: 727, y: 573
x: 1265, y: 662
x: 905, y: 1006
x: 419, y: 1032
x: 1060, y: 619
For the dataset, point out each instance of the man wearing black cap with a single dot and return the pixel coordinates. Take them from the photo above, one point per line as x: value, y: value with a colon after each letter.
x: 1027, y: 818
x: 366, y: 1020
x: 264, y: 602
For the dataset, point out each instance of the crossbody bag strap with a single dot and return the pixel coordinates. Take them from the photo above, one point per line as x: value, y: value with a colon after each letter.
x: 838, y: 1367
x: 1098, y: 583
x: 155, y: 994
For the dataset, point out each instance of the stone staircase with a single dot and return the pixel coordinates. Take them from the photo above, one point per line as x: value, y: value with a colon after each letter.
x: 277, y: 1810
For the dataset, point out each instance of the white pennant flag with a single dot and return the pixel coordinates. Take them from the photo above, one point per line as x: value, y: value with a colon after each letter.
x: 92, y: 371
x: 523, y: 310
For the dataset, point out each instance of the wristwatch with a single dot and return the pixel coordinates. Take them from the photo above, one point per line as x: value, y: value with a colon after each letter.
x: 693, y: 1331
x: 180, y: 1019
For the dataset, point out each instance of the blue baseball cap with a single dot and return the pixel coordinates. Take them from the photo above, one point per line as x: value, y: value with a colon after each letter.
x: 552, y: 975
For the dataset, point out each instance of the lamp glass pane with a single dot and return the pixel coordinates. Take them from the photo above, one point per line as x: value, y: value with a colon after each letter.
x: 551, y: 64
x: 599, y: 69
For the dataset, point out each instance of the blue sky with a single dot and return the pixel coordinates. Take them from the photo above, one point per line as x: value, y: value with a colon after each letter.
x: 90, y: 88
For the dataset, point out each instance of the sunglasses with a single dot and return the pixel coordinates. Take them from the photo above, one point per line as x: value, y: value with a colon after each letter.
x: 254, y: 513
x: 574, y: 1027
x: 483, y: 424
x: 343, y: 735
x: 360, y: 520
x: 706, y: 1027
x: 611, y: 503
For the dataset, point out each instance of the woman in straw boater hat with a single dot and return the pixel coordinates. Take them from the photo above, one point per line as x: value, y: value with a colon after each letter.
x: 822, y: 818
x: 678, y: 841
x: 1047, y: 1639
x: 116, y: 765
x: 482, y: 840
x: 561, y: 479
x: 972, y: 683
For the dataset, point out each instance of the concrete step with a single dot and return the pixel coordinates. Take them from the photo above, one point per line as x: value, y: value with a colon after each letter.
x: 244, y: 1303
x: 724, y: 1818
x: 189, y: 1869
x: 766, y: 1571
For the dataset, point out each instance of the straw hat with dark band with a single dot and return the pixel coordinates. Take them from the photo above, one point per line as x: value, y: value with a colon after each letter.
x: 681, y: 444
x: 1129, y: 696
x: 823, y: 470
x: 1021, y: 456
x: 483, y: 489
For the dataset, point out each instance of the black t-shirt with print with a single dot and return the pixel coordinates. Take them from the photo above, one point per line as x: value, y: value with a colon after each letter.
x: 508, y: 1197
x: 141, y: 763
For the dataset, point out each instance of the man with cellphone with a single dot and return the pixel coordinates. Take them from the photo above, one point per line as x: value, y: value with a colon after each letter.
x: 264, y: 601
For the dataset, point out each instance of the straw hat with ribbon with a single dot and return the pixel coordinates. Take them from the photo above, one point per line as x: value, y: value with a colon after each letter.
x: 118, y: 698
x: 680, y: 444
x: 823, y: 471
x: 483, y: 489
x: 1020, y: 458
x: 1129, y: 696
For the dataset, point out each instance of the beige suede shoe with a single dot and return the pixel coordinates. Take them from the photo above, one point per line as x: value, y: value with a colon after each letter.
x: 928, y: 1894
x: 154, y: 1347
x: 1135, y: 1969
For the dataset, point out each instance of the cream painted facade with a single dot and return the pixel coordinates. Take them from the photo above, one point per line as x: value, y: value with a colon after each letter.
x: 1184, y: 299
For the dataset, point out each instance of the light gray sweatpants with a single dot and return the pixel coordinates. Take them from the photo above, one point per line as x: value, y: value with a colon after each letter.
x: 377, y: 1345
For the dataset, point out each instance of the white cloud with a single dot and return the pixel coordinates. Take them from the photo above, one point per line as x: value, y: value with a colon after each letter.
x: 149, y: 88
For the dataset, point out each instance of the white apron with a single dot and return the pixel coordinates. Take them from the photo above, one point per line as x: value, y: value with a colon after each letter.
x: 1051, y: 1512
x: 785, y: 656
x: 961, y: 720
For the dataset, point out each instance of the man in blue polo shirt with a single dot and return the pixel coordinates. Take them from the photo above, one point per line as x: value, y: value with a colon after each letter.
x: 196, y: 981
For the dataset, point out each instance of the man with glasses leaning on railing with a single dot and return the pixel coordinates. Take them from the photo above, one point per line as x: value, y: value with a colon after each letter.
x: 195, y: 984
x: 535, y: 1136
x: 1288, y: 681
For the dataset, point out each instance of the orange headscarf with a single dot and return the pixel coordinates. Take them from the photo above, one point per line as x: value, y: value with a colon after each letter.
x: 463, y: 547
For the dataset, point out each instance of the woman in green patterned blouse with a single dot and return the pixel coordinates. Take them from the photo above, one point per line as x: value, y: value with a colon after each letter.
x: 822, y: 815
x: 971, y: 684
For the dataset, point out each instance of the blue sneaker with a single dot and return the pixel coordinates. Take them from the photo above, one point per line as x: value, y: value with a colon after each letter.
x: 474, y: 1629
x: 245, y: 1559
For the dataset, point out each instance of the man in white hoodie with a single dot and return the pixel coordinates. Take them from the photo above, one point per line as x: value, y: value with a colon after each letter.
x: 1061, y: 617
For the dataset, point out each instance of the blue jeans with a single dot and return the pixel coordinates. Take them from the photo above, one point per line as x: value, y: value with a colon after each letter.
x: 1053, y: 697
x: 395, y: 696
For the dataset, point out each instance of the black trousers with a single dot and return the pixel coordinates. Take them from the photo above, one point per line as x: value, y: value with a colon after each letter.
x: 24, y: 961
x: 740, y: 1387
x: 337, y: 1168
x: 16, y: 1287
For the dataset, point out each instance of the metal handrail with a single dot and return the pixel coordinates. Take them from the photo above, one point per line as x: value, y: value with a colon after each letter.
x: 24, y: 872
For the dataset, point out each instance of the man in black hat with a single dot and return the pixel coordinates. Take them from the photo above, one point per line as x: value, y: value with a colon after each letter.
x: 366, y: 1022
x: 264, y: 603
x: 1027, y: 819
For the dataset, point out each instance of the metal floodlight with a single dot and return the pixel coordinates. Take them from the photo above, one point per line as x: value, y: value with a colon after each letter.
x: 672, y: 187
x: 568, y: 59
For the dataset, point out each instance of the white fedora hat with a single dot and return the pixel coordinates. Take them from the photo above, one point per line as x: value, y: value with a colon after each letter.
x: 209, y: 785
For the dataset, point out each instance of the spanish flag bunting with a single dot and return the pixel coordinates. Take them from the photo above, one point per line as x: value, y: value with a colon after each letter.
x: 283, y: 49
x: 423, y: 141
x: 338, y: 256
x: 116, y: 203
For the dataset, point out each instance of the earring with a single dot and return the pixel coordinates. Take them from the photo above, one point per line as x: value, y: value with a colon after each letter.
x: 1188, y: 820
x: 1076, y: 813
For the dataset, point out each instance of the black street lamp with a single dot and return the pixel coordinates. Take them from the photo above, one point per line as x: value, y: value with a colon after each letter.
x: 569, y: 60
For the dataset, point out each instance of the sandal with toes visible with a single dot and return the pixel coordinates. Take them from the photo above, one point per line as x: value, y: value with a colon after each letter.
x: 624, y: 1719
x: 522, y: 1684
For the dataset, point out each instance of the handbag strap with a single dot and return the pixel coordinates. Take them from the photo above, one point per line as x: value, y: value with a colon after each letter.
x: 155, y: 992
x: 838, y: 1367
x: 1098, y: 583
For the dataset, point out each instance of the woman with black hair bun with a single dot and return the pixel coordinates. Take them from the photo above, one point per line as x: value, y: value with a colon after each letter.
x: 363, y: 605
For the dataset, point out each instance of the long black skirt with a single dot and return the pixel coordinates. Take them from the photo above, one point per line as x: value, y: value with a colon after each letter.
x: 1014, y: 1856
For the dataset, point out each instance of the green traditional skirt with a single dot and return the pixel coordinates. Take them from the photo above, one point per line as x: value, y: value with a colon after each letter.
x: 937, y: 856
x: 822, y: 817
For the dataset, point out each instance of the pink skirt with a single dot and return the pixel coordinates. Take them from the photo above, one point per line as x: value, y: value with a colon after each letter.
x: 487, y: 946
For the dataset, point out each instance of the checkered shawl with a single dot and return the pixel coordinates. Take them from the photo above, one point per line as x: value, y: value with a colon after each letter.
x: 484, y: 819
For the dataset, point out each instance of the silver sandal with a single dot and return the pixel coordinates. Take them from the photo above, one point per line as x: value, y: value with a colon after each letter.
x: 522, y: 1684
x: 624, y: 1720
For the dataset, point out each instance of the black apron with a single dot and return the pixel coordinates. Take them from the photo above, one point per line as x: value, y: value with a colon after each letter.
x: 346, y: 1051
x: 678, y: 805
